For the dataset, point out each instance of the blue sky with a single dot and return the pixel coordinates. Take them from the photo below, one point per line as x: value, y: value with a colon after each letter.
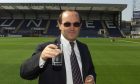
x: 126, y: 14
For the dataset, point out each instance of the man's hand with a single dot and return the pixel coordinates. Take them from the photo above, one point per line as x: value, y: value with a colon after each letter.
x: 89, y: 80
x: 50, y: 51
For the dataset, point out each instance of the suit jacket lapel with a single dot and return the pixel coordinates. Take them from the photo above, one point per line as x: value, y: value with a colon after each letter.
x: 83, y: 59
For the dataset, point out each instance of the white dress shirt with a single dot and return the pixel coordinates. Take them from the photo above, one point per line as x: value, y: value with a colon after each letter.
x: 67, y: 52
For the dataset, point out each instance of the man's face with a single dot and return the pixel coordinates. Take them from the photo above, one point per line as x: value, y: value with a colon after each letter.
x: 70, y: 25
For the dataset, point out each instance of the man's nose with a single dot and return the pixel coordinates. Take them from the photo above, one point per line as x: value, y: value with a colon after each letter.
x: 72, y: 27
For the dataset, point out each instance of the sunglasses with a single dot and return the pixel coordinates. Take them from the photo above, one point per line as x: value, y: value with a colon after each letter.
x: 75, y: 24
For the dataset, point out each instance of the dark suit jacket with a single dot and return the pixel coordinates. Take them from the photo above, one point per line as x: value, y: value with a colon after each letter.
x: 48, y: 74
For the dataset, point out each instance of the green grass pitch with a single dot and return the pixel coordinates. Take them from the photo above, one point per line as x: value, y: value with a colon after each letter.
x: 115, y: 62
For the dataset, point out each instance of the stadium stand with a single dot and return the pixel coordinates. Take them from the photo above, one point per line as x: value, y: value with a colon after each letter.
x: 40, y: 19
x: 113, y: 30
x: 53, y: 29
x: 27, y: 27
x: 90, y: 28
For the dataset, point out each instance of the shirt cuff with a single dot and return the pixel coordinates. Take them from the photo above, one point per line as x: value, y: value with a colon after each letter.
x: 41, y: 62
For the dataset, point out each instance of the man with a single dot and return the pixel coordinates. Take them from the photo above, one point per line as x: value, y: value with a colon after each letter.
x: 77, y: 66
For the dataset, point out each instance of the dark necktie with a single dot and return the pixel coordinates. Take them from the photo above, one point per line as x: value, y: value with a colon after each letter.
x: 76, y: 74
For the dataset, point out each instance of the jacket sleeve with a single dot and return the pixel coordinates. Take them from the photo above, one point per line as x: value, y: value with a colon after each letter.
x: 30, y: 68
x: 91, y: 70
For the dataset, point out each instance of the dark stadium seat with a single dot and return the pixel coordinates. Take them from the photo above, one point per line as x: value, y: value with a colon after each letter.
x: 90, y: 28
x: 27, y: 27
x: 53, y: 29
x: 112, y: 29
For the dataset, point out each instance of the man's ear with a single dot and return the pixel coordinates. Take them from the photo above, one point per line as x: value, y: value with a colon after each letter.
x: 59, y: 28
x: 58, y: 25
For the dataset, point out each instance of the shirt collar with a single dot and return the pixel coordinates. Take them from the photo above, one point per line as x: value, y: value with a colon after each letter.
x: 64, y: 40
